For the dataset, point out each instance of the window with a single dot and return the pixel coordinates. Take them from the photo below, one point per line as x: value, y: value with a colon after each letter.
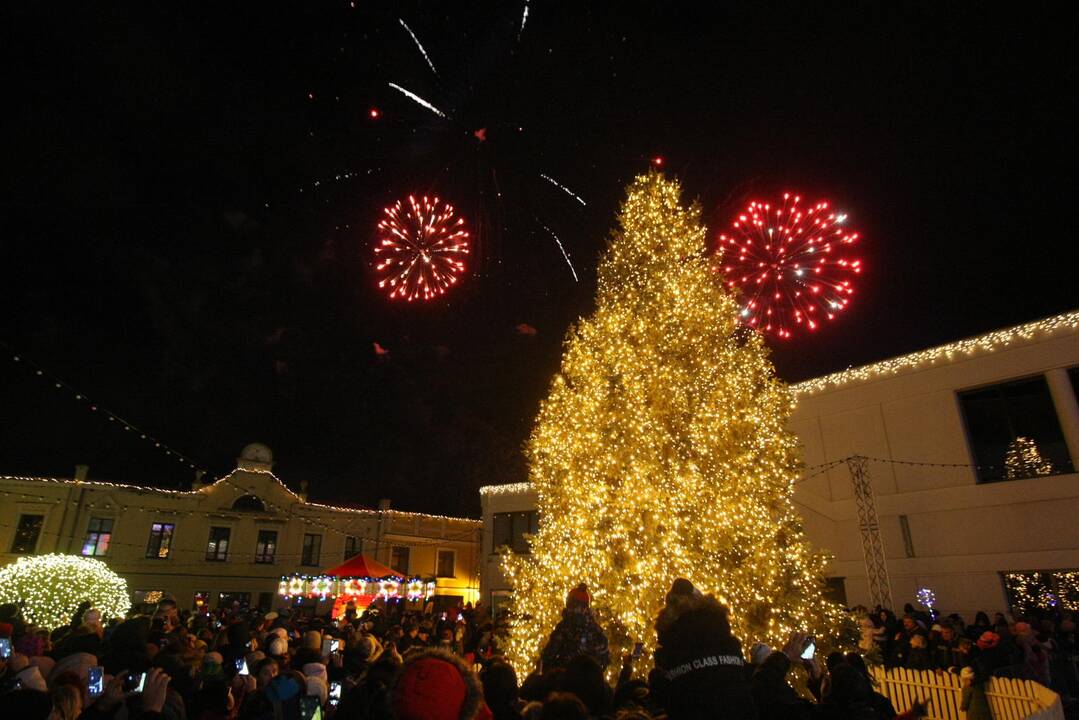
x: 312, y: 544
x: 353, y: 547
x: 160, y: 540
x: 399, y: 558
x: 1014, y: 432
x: 266, y: 546
x: 1041, y: 590
x: 27, y: 533
x: 98, y: 534
x: 510, y: 529
x: 217, y: 547
x: 446, y: 559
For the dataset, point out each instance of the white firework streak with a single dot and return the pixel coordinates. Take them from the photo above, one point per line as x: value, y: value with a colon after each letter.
x: 524, y: 19
x: 419, y: 45
x: 560, y: 247
x: 563, y: 188
x: 417, y: 99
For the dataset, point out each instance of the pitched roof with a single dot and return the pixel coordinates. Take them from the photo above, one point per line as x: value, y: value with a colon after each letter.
x: 362, y: 566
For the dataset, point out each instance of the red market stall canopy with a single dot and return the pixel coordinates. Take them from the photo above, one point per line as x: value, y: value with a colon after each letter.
x: 361, y: 566
x: 359, y: 579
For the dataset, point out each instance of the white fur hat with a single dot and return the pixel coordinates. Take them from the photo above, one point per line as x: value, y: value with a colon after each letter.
x: 278, y: 646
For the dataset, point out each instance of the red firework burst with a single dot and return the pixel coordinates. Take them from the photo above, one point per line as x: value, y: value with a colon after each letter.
x: 420, y: 249
x: 792, y: 264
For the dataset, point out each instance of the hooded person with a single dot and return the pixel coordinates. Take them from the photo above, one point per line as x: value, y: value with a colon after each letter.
x: 318, y: 682
x: 700, y: 660
x: 577, y: 633
x: 437, y: 685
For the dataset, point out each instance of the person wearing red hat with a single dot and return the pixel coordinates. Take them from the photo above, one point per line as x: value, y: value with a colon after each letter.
x: 577, y: 633
x: 437, y: 685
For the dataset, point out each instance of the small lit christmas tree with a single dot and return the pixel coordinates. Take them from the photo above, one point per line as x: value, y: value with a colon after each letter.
x: 662, y: 451
x: 1024, y: 460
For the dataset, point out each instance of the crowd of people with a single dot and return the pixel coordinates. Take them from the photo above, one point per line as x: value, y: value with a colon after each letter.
x: 390, y: 662
x: 1037, y: 647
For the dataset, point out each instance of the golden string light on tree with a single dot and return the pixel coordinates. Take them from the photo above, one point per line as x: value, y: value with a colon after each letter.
x: 662, y: 451
x: 52, y: 586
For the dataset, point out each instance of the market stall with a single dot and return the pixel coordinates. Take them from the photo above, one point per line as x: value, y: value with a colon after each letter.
x: 359, y: 580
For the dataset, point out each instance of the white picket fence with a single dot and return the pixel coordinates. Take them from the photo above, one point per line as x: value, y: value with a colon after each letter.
x: 1008, y: 699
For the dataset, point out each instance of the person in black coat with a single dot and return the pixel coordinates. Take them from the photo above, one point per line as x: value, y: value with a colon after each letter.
x: 703, y: 670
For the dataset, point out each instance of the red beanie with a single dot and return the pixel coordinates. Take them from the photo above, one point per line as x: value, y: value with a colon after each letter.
x: 579, y: 597
x: 430, y: 688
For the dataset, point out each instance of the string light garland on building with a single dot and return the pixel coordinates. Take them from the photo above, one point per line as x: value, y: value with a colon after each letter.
x: 661, y: 451
x: 970, y: 347
x: 1024, y: 460
x: 50, y: 587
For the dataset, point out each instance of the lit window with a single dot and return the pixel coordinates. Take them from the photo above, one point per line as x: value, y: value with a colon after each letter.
x: 160, y: 543
x: 217, y: 546
x: 266, y: 546
x: 98, y: 535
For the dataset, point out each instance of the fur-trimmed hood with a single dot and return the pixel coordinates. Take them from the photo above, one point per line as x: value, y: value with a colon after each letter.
x: 424, y: 687
x: 680, y: 605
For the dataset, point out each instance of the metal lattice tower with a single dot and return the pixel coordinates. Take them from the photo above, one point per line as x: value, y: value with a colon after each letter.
x: 876, y: 569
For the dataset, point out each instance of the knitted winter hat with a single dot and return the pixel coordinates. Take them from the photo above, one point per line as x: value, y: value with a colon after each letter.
x: 315, y: 669
x: 988, y: 640
x: 312, y: 639
x: 436, y: 685
x: 278, y: 647
x: 30, y: 645
x: 579, y: 597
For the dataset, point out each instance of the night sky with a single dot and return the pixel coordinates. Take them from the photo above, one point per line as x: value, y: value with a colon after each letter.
x: 158, y: 253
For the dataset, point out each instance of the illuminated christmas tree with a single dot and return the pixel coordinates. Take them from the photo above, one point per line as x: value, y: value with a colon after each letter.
x: 1024, y: 460
x: 662, y: 451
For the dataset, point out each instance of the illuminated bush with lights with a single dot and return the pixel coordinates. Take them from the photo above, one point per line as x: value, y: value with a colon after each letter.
x: 52, y: 586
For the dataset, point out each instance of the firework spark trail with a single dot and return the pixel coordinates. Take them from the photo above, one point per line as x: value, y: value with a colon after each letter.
x: 524, y: 19
x: 418, y: 100
x: 563, y: 188
x: 563, y: 249
x: 418, y: 45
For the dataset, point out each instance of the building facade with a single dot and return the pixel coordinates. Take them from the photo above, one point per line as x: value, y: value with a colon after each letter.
x: 230, y: 540
x: 970, y: 452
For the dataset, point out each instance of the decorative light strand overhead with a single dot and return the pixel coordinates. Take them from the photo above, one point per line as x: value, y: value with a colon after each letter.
x: 961, y: 349
x: 123, y: 424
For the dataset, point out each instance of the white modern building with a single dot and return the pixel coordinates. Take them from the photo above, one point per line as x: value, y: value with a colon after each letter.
x: 956, y: 515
